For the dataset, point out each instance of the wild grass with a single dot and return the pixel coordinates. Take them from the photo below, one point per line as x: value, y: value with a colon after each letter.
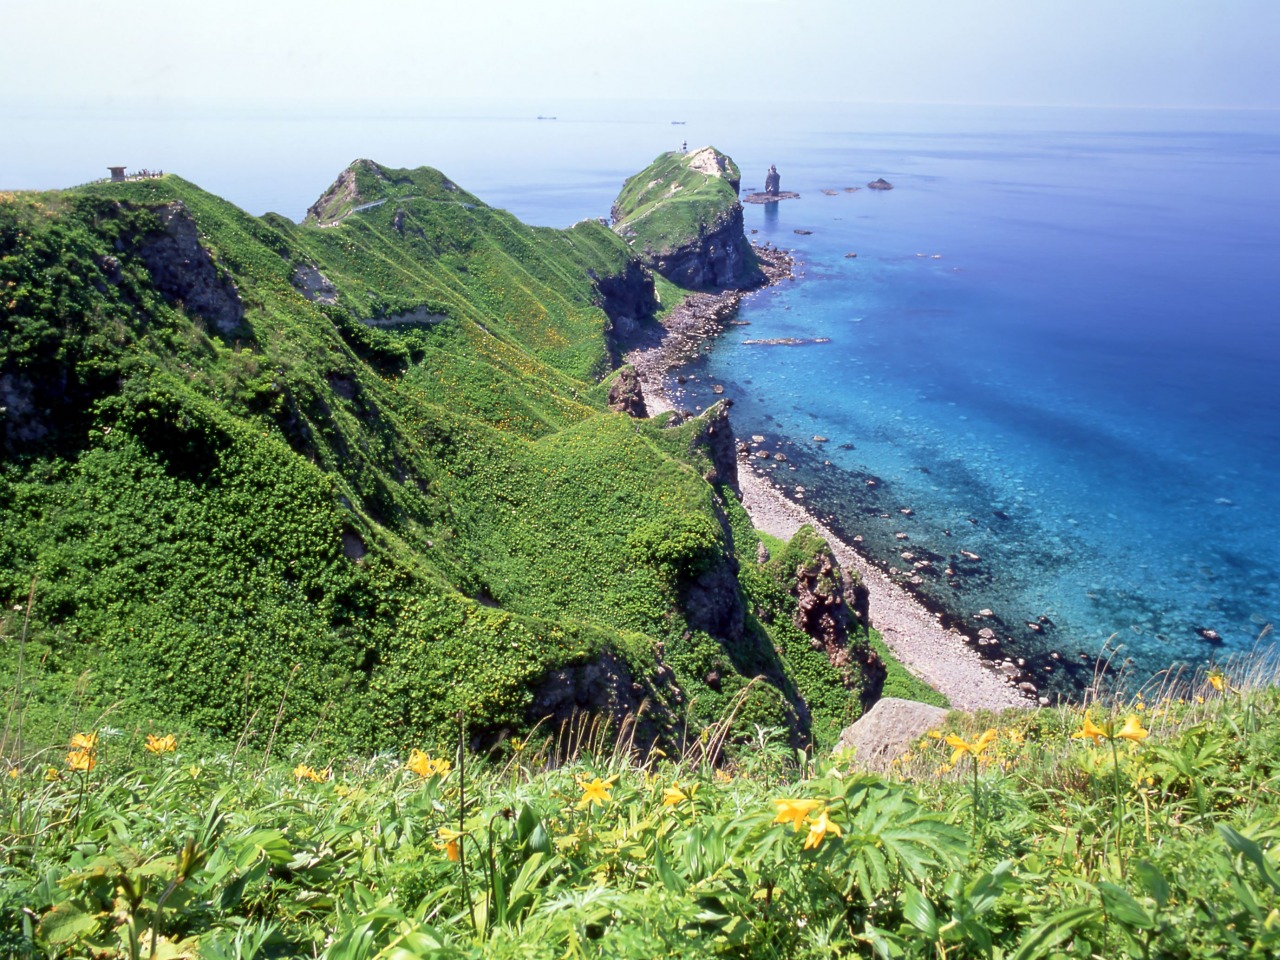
x: 1159, y: 841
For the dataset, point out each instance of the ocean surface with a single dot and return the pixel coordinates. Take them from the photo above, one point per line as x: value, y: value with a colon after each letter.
x: 1054, y: 351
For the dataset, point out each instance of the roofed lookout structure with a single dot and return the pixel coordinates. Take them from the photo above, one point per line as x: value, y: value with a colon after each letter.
x: 117, y: 173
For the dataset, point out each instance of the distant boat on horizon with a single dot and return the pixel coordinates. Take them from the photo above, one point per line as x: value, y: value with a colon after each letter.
x: 541, y: 117
x: 677, y: 123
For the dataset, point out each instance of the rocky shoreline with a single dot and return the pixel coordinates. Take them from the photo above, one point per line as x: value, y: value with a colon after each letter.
x: 939, y: 656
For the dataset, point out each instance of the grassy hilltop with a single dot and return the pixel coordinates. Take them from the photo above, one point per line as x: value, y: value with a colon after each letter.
x: 339, y: 480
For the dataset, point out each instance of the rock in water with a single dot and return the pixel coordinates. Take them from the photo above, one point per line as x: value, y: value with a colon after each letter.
x: 772, y: 182
x: 880, y: 183
x: 887, y: 731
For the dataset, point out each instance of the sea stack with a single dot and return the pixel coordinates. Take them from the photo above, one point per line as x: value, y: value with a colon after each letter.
x: 772, y: 182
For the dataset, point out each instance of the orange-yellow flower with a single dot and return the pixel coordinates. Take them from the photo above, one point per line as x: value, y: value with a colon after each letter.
x: 1217, y: 679
x: 81, y: 761
x: 85, y: 741
x: 1132, y: 730
x: 794, y: 812
x: 673, y: 795
x: 304, y: 772
x: 425, y: 766
x: 166, y: 744
x: 1090, y: 729
x: 974, y: 749
x: 596, y: 793
x: 451, y: 839
x: 818, y: 830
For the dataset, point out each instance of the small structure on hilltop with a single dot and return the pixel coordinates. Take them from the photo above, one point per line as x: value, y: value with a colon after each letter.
x: 117, y: 173
x: 772, y: 181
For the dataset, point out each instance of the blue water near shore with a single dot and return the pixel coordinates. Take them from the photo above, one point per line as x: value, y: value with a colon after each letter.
x: 1056, y: 346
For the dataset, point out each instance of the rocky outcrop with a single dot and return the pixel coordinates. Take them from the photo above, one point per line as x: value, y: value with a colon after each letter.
x: 682, y: 217
x: 880, y: 183
x: 715, y: 439
x: 312, y: 284
x: 625, y: 394
x: 825, y: 600
x: 772, y: 181
x: 887, y: 731
x: 718, y: 257
x: 628, y: 299
x: 603, y: 686
x: 183, y: 270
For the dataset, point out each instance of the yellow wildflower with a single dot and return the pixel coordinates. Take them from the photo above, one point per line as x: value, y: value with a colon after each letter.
x: 974, y: 749
x: 673, y: 795
x: 819, y: 829
x: 52, y: 774
x: 1217, y: 679
x: 85, y: 741
x: 934, y: 734
x: 723, y: 776
x: 451, y: 840
x: 81, y: 761
x: 304, y: 772
x: 1090, y: 729
x: 13, y: 773
x: 596, y: 793
x: 794, y: 812
x: 166, y: 744
x: 517, y: 745
x: 1132, y: 730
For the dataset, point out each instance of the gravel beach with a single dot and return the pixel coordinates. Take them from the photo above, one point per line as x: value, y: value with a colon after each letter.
x: 938, y: 656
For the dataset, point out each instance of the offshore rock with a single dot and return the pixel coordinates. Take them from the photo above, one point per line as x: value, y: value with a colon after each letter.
x: 772, y: 182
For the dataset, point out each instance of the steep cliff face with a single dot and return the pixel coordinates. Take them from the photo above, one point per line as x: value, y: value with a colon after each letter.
x: 682, y: 217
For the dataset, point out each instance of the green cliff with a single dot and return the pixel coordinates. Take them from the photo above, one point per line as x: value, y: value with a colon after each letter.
x: 361, y: 472
x: 682, y: 217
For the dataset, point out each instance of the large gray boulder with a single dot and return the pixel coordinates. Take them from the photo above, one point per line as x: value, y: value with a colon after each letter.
x: 888, y: 730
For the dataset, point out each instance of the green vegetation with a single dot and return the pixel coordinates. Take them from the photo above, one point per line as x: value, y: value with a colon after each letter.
x: 1142, y: 830
x: 678, y: 197
x: 334, y: 482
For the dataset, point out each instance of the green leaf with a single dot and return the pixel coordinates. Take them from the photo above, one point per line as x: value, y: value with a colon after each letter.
x: 65, y: 923
x: 1122, y: 908
x: 1153, y: 881
x: 1052, y: 932
x: 919, y: 912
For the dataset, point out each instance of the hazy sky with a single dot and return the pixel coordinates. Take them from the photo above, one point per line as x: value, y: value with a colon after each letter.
x: 96, y: 53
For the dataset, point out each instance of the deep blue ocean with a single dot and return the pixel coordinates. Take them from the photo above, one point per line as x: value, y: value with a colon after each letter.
x: 1056, y: 346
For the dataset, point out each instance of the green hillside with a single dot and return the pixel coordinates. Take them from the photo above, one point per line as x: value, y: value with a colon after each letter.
x: 337, y: 481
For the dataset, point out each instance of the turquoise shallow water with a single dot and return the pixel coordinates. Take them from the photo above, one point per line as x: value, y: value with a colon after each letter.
x: 1056, y: 346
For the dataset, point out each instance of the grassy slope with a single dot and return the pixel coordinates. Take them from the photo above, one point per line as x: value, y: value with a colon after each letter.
x: 668, y: 202
x: 186, y: 517
x: 1056, y: 847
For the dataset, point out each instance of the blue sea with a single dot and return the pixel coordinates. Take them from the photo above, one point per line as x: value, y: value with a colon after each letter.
x: 1054, y: 351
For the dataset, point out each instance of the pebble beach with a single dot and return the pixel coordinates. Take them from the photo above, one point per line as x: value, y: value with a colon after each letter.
x: 940, y: 657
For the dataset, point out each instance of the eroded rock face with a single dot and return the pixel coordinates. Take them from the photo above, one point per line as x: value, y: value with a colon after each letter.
x: 626, y: 395
x: 772, y: 182
x: 719, y: 257
x: 183, y: 270
x: 312, y: 284
x: 824, y: 603
x: 603, y: 686
x: 887, y: 731
x: 715, y: 437
x: 628, y: 299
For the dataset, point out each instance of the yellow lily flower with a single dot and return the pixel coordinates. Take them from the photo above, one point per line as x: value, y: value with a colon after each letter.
x: 974, y: 749
x: 165, y: 744
x: 304, y: 772
x: 1217, y: 679
x: 673, y: 795
x: 85, y: 741
x: 450, y: 845
x: 596, y: 793
x: 1091, y: 729
x: 819, y: 829
x: 794, y: 812
x: 1132, y: 730
x: 81, y: 761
